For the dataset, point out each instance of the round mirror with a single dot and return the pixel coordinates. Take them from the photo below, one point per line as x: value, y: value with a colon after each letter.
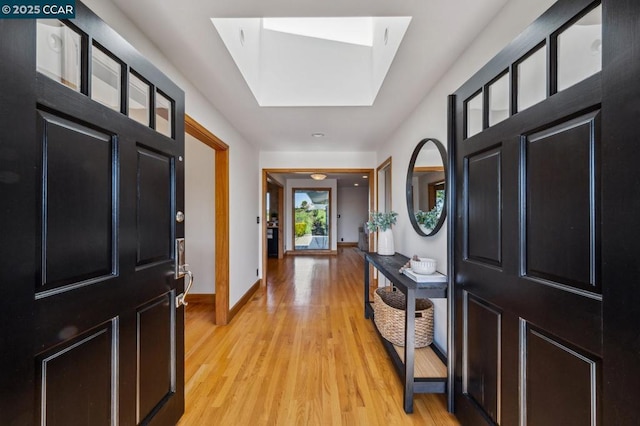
x: 427, y: 187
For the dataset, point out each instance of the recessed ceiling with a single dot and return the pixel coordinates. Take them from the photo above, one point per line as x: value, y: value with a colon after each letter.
x: 312, y: 61
x: 439, y: 33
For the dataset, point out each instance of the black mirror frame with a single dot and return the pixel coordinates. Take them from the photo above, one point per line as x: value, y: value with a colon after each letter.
x: 409, y: 187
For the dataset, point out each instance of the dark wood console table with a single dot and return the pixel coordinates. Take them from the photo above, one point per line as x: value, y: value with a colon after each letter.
x: 422, y: 370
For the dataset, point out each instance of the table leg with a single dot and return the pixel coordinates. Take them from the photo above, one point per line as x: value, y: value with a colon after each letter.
x: 366, y: 288
x: 409, y: 349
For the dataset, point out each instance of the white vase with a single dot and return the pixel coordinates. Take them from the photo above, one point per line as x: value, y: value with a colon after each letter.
x: 385, y: 243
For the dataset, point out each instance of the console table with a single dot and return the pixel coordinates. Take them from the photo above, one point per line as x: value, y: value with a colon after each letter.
x: 422, y: 370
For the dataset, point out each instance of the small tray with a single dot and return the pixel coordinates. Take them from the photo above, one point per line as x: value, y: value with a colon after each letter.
x: 436, y: 277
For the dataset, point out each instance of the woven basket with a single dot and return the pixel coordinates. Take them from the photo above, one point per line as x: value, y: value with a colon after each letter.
x: 389, y: 314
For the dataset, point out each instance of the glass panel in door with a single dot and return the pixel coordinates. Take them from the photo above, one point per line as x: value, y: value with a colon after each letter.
x: 312, y: 214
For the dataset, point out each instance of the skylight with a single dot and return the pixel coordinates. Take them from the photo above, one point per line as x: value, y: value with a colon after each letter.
x: 311, y: 61
x: 353, y: 30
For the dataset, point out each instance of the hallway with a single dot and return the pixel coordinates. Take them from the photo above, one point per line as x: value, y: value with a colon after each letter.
x: 299, y: 353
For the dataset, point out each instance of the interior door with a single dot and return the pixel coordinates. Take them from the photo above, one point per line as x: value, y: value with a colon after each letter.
x: 528, y: 287
x: 93, y: 152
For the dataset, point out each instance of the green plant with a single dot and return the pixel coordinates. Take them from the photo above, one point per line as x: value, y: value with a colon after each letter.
x: 430, y: 219
x: 301, y: 229
x: 381, y: 220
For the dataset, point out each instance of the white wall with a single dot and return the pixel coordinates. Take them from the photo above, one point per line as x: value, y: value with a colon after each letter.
x: 244, y: 237
x: 288, y: 207
x: 353, y: 208
x: 429, y: 119
x: 317, y: 160
x: 199, y: 200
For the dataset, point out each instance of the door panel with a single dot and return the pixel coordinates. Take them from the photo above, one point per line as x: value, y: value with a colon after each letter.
x: 484, y: 204
x: 95, y: 197
x: 77, y: 208
x: 528, y: 304
x: 560, y: 176
x: 483, y: 348
x: 156, y: 354
x: 549, y: 364
x: 154, y: 197
x: 79, y: 379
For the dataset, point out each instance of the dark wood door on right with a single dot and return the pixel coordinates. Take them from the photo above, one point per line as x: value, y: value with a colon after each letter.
x: 527, y: 230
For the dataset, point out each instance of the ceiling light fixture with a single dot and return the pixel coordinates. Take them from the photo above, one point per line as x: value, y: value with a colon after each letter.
x: 318, y: 176
x: 317, y: 135
x: 365, y: 177
x: 356, y: 184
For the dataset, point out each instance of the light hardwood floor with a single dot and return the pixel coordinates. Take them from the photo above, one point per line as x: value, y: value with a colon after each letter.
x: 299, y: 353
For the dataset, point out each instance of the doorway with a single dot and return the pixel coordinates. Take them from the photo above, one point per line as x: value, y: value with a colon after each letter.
x: 355, y: 179
x: 221, y: 209
x: 276, y: 219
x: 312, y: 220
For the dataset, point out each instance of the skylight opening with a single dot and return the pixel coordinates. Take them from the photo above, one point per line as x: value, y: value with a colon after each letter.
x: 352, y: 30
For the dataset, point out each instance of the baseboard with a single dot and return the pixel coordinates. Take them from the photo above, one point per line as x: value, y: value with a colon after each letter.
x: 345, y: 244
x: 202, y: 299
x: 244, y: 300
x: 312, y: 253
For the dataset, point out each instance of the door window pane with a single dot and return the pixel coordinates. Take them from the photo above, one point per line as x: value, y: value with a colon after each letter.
x: 164, y: 114
x: 311, y: 219
x: 532, y: 79
x: 580, y: 50
x: 106, y: 76
x: 59, y: 52
x: 139, y: 99
x: 474, y: 115
x: 499, y: 100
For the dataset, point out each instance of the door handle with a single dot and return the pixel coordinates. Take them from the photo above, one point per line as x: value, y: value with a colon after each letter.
x: 182, y: 269
x: 181, y: 299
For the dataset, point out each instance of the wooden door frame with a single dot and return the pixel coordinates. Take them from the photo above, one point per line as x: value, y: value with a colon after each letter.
x: 374, y: 235
x: 195, y: 129
x: 265, y: 172
x: 281, y: 222
x: 386, y: 163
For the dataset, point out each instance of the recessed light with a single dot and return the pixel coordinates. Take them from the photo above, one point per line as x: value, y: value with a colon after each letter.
x: 317, y: 135
x: 365, y: 177
x: 356, y: 184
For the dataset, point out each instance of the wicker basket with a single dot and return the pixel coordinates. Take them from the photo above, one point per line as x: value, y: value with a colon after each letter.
x: 389, y: 313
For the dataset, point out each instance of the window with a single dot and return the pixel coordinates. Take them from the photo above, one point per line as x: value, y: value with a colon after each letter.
x: 312, y: 213
x: 59, y: 53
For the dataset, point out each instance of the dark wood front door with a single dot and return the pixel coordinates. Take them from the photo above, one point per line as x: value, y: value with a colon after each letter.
x: 533, y: 196
x: 92, y: 178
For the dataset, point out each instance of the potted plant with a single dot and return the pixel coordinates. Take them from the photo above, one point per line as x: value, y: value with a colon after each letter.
x: 382, y: 222
x: 429, y: 220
